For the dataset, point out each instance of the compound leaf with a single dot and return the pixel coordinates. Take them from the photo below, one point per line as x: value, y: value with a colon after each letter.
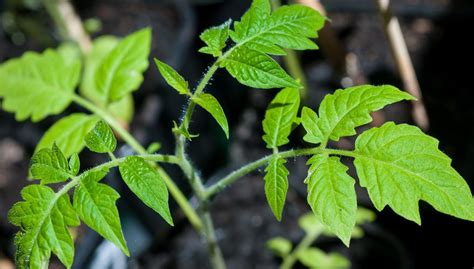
x: 38, y: 85
x: 280, y: 116
x: 68, y: 133
x: 173, y: 78
x: 215, y: 39
x: 95, y: 204
x: 332, y: 196
x: 120, y: 72
x: 340, y: 113
x: 211, y: 105
x: 50, y: 166
x: 147, y: 184
x: 256, y: 69
x: 43, y: 218
x: 276, y: 185
x: 101, y: 139
x: 400, y: 165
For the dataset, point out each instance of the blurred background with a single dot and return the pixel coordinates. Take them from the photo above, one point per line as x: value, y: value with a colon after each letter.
x: 356, y: 47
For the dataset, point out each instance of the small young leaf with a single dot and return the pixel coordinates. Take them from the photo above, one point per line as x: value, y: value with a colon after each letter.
x: 280, y: 246
x: 211, y: 105
x: 153, y: 147
x: 173, y: 78
x: 280, y: 116
x: 68, y: 133
x: 38, y: 85
x: 400, y: 165
x: 215, y: 39
x: 43, y: 218
x: 74, y: 164
x: 256, y: 69
x: 183, y: 131
x: 309, y: 119
x: 340, y: 113
x: 332, y: 196
x: 276, y: 185
x: 147, y: 184
x: 50, y: 166
x: 316, y: 258
x: 101, y: 139
x: 95, y: 204
x: 120, y: 73
x: 311, y: 224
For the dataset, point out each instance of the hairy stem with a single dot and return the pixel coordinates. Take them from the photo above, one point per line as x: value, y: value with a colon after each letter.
x: 307, y: 241
x: 179, y: 197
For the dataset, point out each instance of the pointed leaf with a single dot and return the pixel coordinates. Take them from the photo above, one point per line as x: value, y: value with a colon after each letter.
x: 332, y: 196
x: 147, y: 184
x: 400, y: 165
x: 95, y: 204
x: 276, y: 185
x: 121, y: 71
x: 101, y: 139
x: 50, y: 166
x: 38, y: 85
x: 173, y: 78
x: 43, y: 218
x: 340, y: 113
x: 215, y: 39
x: 74, y: 164
x: 256, y: 69
x: 309, y: 119
x: 68, y: 133
x: 280, y: 116
x: 211, y: 105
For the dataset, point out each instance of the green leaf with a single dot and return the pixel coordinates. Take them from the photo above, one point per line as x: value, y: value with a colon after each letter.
x: 316, y: 258
x: 276, y: 185
x: 38, y: 85
x: 287, y: 27
x: 68, y: 133
x: 256, y: 69
x: 340, y: 113
x: 95, y: 204
x: 280, y: 246
x: 50, y: 166
x: 120, y: 72
x: 215, y: 39
x: 147, y: 184
x: 311, y: 224
x: 123, y: 109
x: 211, y: 105
x: 331, y: 195
x: 101, y: 139
x: 309, y: 119
x: 364, y: 215
x: 400, y: 165
x: 173, y: 78
x: 43, y: 218
x: 280, y: 116
x: 74, y: 164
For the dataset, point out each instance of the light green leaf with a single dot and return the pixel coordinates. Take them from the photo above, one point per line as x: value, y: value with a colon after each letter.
x: 153, y: 147
x: 211, y: 105
x: 364, y: 215
x: 68, y: 133
x: 74, y: 164
x: 311, y: 224
x: 101, y: 139
x: 120, y: 72
x: 95, y: 204
x: 287, y: 27
x: 256, y: 69
x: 316, y: 258
x: 50, y: 166
x: 215, y: 39
x: 276, y: 185
x: 280, y: 116
x: 43, y: 218
x: 400, y: 165
x: 340, y: 113
x: 173, y: 78
x: 147, y: 184
x: 123, y: 109
x: 332, y: 196
x: 38, y: 85
x: 309, y: 119
x: 279, y: 246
